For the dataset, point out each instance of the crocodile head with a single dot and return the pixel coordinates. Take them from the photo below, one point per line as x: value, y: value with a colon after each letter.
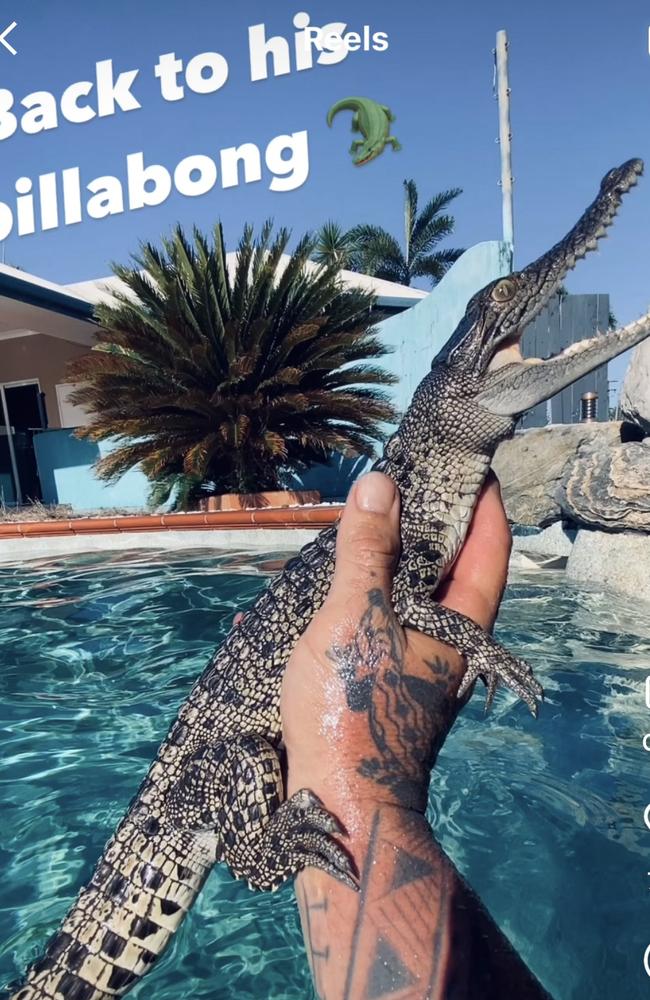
x: 368, y: 151
x: 486, y: 344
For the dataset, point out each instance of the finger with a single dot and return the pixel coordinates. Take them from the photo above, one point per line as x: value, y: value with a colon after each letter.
x: 477, y: 580
x: 368, y: 542
x: 237, y: 618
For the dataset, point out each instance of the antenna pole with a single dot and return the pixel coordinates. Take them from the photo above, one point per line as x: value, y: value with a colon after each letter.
x: 505, y: 136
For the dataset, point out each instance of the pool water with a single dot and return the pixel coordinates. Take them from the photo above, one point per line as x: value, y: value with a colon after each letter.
x: 544, y: 818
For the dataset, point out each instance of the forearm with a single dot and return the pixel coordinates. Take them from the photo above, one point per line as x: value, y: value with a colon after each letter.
x: 394, y: 934
x: 414, y: 931
x: 366, y: 707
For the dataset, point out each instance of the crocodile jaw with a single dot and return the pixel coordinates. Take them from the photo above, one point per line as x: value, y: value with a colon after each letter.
x: 541, y: 279
x: 515, y: 387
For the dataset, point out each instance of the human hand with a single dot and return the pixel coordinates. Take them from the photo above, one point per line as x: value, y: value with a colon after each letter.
x: 366, y: 705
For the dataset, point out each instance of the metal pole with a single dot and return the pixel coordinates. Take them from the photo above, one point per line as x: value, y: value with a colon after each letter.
x: 10, y: 442
x: 505, y: 135
x: 588, y: 404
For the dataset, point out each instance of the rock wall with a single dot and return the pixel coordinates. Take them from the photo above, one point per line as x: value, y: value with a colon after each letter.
x: 569, y: 476
x: 609, y: 488
x: 619, y: 562
x: 532, y: 465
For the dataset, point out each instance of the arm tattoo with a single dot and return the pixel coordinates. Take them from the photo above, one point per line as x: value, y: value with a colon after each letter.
x: 419, y: 933
x: 310, y: 912
x: 396, y: 951
x: 408, y: 716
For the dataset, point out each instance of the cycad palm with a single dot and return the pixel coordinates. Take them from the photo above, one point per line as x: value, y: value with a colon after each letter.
x: 202, y: 376
x: 380, y: 254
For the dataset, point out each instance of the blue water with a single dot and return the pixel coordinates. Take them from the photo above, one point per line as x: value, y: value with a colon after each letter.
x: 544, y: 818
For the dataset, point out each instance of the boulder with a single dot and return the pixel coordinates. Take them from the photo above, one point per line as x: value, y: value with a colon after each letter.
x: 635, y: 394
x: 618, y: 562
x: 531, y: 466
x: 609, y: 488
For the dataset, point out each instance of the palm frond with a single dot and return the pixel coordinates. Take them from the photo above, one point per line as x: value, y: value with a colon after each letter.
x: 379, y: 253
x: 437, y: 264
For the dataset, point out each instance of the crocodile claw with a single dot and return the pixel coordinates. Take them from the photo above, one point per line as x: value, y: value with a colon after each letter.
x: 495, y: 665
x: 300, y: 835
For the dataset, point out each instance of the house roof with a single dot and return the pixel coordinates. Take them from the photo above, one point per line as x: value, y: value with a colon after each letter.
x: 31, y: 305
x: 388, y: 293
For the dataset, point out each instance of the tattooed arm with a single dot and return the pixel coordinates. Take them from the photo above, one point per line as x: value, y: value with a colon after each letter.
x: 366, y: 707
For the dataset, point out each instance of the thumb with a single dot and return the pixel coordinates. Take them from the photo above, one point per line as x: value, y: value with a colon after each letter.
x: 368, y: 539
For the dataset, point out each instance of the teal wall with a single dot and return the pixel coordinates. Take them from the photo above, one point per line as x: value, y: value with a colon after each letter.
x: 415, y: 335
x: 7, y: 491
x: 65, y: 468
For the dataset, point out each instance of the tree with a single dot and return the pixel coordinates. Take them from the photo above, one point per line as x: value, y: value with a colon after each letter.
x: 335, y: 246
x: 380, y: 254
x: 202, y: 376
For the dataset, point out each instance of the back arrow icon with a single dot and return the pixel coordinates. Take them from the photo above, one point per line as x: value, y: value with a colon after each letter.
x: 3, y: 38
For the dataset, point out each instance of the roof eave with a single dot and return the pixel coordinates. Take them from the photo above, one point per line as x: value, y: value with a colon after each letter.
x: 43, y: 297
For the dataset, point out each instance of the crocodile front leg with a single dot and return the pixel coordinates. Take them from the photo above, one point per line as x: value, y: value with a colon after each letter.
x: 484, y: 656
x: 235, y: 789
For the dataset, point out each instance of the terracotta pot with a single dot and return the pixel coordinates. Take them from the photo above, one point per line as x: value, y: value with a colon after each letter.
x: 253, y: 501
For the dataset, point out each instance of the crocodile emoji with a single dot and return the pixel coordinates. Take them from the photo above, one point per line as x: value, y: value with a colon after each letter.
x: 372, y: 121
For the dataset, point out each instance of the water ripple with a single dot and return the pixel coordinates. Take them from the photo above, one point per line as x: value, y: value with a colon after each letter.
x: 543, y: 818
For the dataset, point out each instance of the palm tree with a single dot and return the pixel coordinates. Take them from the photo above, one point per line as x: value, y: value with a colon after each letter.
x: 202, y: 376
x: 335, y: 245
x: 380, y: 254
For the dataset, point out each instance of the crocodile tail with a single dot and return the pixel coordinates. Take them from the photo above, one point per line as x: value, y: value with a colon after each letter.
x: 347, y: 104
x: 144, y: 884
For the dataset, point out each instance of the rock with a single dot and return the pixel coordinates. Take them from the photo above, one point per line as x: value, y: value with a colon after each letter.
x: 619, y: 562
x: 609, y: 488
x: 531, y: 466
x: 556, y: 540
x: 635, y: 394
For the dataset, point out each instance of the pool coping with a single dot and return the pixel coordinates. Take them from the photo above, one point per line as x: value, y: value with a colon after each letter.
x: 316, y: 516
x: 258, y: 529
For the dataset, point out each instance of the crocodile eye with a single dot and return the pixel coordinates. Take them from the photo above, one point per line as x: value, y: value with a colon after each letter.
x: 504, y: 291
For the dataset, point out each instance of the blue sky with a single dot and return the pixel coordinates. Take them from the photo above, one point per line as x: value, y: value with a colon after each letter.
x: 580, y: 77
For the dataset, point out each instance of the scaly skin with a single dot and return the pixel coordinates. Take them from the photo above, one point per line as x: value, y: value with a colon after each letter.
x: 372, y: 121
x: 215, y: 790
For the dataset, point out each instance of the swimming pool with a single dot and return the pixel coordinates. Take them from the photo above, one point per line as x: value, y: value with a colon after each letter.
x: 544, y: 818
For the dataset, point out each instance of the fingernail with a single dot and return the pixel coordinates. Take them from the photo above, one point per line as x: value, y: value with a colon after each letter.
x: 375, y: 493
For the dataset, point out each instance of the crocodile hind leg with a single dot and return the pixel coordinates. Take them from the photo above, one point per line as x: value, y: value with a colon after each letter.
x: 234, y: 789
x: 484, y: 656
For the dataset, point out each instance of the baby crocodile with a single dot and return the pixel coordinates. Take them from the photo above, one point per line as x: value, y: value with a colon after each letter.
x: 373, y: 121
x: 214, y: 792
